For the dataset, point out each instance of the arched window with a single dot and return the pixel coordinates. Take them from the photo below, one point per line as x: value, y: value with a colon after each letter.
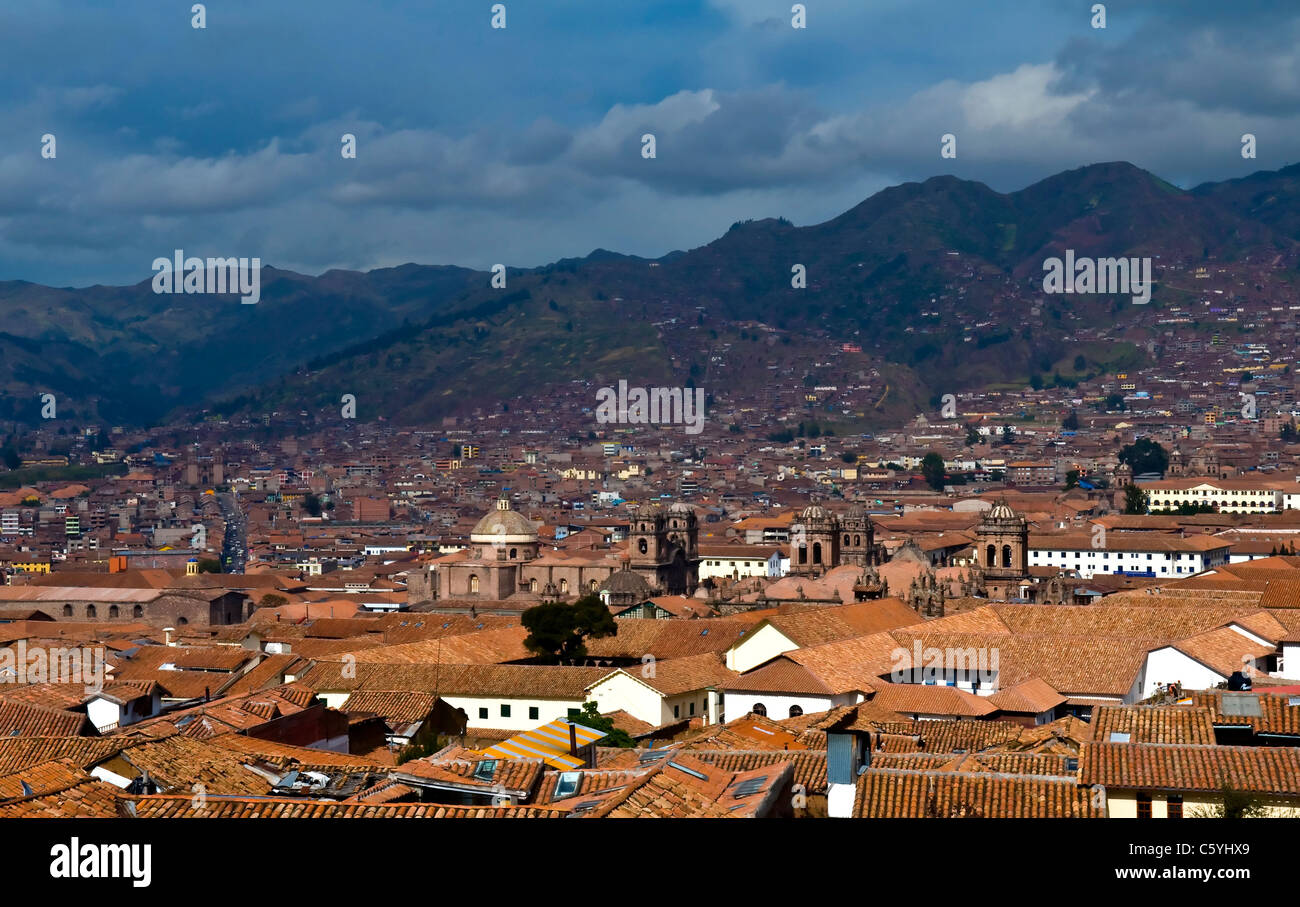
x: 846, y: 538
x: 532, y: 585
x: 592, y: 586
x: 564, y: 587
x: 514, y: 553
x: 67, y: 610
x: 857, y: 540
x: 1006, y: 555
x: 817, y: 552
x: 759, y: 709
x: 641, y: 546
x: 803, y: 554
x: 114, y: 611
x: 183, y: 621
x: 991, y: 557
x: 473, y: 583
x: 90, y: 611
x: 795, y: 711
x: 138, y: 611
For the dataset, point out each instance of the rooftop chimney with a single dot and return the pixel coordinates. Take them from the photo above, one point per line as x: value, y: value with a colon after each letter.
x: 573, y: 739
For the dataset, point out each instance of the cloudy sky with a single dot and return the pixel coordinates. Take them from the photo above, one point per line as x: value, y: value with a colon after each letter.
x: 522, y: 145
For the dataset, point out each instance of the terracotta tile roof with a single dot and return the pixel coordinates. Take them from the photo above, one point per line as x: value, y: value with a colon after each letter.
x: 85, y: 800
x: 18, y: 753
x: 172, y: 807
x: 50, y: 695
x: 1030, y: 696
x: 286, y: 757
x: 666, y: 639
x: 387, y: 791
x: 949, y: 736
x: 900, y: 793
x: 780, y: 675
x: 519, y: 777
x: 396, y: 707
x: 534, y: 681
x: 1153, y: 724
x: 747, y: 732
x: 41, y: 778
x: 682, y: 786
x: 1001, y: 763
x: 592, y: 784
x: 850, y: 664
x: 917, y: 699
x: 809, y: 765
x: 819, y: 626
x: 179, y: 762
x: 674, y: 676
x: 19, y: 719
x: 484, y: 647
x: 1276, y: 713
x: 1222, y: 650
x: 1172, y: 766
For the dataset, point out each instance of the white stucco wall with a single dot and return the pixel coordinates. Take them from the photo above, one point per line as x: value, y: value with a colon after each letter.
x: 759, y: 648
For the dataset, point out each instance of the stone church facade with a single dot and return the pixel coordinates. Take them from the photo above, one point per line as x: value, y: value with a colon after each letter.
x: 504, y: 560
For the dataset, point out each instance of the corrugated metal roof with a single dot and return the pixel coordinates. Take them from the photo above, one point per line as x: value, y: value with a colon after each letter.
x: 550, y: 742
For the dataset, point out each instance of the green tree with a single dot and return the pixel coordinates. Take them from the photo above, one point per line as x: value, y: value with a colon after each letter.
x: 11, y: 458
x: 1136, y: 500
x: 1070, y: 422
x: 932, y: 469
x: 557, y: 631
x: 1145, y: 455
x: 591, y: 718
x: 311, y: 504
x: 1080, y: 363
x: 271, y: 600
x: 209, y: 565
x: 1071, y: 478
x: 972, y: 436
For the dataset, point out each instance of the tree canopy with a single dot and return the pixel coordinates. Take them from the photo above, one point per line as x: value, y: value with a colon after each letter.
x: 557, y: 631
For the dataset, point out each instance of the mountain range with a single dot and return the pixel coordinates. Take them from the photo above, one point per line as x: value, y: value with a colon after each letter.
x: 936, y: 281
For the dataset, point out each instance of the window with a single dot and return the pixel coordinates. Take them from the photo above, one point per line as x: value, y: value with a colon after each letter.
x: 692, y: 708
x: 505, y: 711
x: 1174, y: 807
x: 483, y: 712
x: 759, y: 709
x: 67, y: 610
x: 137, y: 611
x: 1144, y: 806
x: 677, y: 711
x: 533, y: 713
x: 90, y: 610
x: 795, y: 711
x: 114, y: 611
x: 473, y: 583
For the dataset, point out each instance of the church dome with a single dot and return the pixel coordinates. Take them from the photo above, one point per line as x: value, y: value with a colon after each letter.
x: 627, y: 582
x: 504, y: 526
x: 815, y: 513
x: 1002, y: 511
